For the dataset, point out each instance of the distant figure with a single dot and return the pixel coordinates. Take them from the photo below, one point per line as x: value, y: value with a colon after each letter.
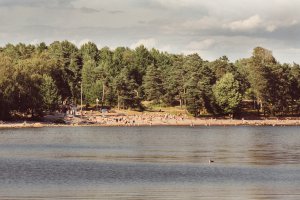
x: 210, y: 161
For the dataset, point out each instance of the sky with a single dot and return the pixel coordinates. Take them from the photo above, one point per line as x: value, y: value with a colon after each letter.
x: 211, y: 28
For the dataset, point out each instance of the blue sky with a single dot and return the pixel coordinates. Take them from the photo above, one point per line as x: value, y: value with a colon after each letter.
x: 211, y: 28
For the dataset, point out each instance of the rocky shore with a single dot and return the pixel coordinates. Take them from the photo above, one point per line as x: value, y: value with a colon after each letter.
x: 144, y: 119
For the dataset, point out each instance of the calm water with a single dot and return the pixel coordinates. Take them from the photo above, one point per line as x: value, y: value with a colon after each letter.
x: 150, y: 163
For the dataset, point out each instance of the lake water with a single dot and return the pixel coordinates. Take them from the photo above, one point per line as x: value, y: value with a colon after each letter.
x: 150, y: 163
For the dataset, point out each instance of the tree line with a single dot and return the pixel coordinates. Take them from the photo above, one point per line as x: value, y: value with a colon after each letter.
x: 38, y: 78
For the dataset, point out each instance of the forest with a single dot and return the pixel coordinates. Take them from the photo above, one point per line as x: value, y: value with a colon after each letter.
x: 39, y: 78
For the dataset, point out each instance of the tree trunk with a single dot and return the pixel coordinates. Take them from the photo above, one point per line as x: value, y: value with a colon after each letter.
x: 292, y: 106
x: 118, y: 102
x: 257, y: 107
x: 103, y: 93
x: 184, y: 99
x: 261, y: 108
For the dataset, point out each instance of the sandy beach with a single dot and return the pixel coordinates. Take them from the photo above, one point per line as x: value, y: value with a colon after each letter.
x: 143, y: 119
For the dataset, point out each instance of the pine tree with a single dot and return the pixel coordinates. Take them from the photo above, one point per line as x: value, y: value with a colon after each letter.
x: 153, y: 84
x: 88, y: 81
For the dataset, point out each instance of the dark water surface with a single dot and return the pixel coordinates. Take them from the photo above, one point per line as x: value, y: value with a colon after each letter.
x: 150, y: 163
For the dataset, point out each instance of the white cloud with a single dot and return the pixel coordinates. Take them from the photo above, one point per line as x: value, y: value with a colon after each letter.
x: 148, y: 43
x: 79, y: 43
x: 202, y: 24
x: 82, y: 42
x: 188, y: 52
x: 201, y: 45
x: 255, y: 23
x: 248, y: 24
x: 210, y: 27
x: 35, y: 41
x: 271, y: 28
x: 177, y: 3
x: 294, y: 22
x: 166, y: 48
x: 205, y: 23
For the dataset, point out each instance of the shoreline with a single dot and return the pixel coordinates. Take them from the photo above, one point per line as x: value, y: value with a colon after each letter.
x: 146, y: 119
x: 184, y: 122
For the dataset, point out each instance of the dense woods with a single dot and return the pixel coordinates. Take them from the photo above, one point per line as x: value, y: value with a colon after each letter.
x: 38, y: 78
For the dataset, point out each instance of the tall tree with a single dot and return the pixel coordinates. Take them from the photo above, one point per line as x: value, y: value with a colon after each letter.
x: 227, y: 94
x: 259, y: 73
x: 6, y: 86
x: 174, y: 82
x: 153, y: 84
x: 89, y: 79
x: 69, y: 65
x: 49, y: 92
x: 198, y: 87
x: 127, y: 89
x: 89, y: 51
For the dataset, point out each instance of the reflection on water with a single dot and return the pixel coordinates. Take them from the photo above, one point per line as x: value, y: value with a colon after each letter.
x: 157, y: 192
x: 150, y: 163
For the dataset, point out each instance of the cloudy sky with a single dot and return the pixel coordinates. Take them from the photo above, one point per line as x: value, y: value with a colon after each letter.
x: 211, y: 28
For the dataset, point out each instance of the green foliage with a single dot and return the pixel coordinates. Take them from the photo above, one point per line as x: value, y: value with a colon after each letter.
x: 49, y: 92
x: 89, y: 51
x: 68, y: 68
x: 6, y: 84
x: 153, y: 84
x: 41, y: 77
x: 173, y: 84
x: 198, y: 87
x: 227, y: 94
x: 127, y: 89
x: 193, y: 97
x: 193, y: 64
x: 90, y: 85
